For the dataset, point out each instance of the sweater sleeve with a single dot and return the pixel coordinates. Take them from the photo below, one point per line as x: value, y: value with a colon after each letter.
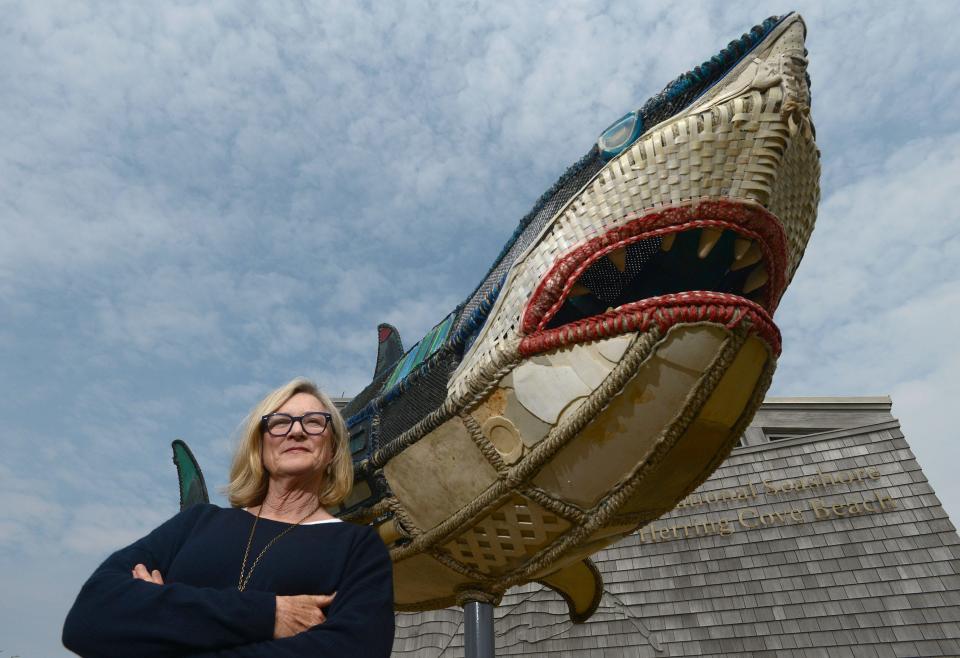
x: 360, y: 622
x: 116, y: 614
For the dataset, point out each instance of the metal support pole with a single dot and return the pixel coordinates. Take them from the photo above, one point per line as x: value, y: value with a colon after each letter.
x: 478, y: 629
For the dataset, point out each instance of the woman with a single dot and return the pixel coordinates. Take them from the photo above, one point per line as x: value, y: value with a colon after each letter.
x: 274, y: 575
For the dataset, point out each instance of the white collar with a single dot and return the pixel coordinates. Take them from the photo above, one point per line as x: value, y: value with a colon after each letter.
x: 323, y: 521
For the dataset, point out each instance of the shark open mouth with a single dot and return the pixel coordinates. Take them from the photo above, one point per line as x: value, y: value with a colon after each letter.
x: 715, y: 261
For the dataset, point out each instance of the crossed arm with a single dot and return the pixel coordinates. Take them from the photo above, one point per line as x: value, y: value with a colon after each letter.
x: 294, y: 614
x: 133, y: 612
x: 359, y: 623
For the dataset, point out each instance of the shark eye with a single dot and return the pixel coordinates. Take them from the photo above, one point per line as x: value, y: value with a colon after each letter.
x: 621, y: 134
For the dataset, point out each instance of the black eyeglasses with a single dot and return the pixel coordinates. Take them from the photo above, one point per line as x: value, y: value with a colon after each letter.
x: 278, y: 424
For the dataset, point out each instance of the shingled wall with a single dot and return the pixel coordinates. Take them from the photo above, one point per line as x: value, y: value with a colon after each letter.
x: 831, y: 543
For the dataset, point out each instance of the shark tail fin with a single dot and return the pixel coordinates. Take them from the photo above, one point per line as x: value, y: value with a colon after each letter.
x: 581, y: 586
x: 193, y: 489
x: 389, y: 349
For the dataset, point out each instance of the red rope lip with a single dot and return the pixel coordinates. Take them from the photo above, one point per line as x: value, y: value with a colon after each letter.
x: 745, y: 218
x: 665, y: 311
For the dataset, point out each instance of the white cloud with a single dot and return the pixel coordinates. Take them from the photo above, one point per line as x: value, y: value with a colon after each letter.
x: 98, y: 530
x: 203, y: 200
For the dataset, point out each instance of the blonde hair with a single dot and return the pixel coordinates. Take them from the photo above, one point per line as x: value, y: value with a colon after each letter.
x: 248, y: 477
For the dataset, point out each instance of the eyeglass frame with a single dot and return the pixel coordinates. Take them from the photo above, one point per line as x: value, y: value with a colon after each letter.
x: 293, y: 419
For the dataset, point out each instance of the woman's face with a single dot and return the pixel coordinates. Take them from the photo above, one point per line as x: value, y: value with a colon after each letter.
x: 298, y: 454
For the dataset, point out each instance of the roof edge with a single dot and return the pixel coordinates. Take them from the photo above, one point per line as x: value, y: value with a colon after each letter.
x: 875, y: 402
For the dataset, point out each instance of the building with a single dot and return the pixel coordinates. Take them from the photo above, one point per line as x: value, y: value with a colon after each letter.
x: 818, y: 536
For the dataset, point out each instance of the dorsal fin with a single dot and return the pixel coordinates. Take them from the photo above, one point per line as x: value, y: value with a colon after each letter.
x: 390, y: 347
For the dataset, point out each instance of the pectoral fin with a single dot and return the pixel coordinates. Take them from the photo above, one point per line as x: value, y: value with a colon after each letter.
x: 193, y: 489
x: 580, y: 585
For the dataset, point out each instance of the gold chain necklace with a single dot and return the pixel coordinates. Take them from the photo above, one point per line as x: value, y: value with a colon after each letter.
x: 244, y: 580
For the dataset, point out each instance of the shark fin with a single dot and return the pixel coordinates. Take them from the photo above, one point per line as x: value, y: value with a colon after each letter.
x: 193, y: 489
x: 581, y: 586
x: 390, y: 347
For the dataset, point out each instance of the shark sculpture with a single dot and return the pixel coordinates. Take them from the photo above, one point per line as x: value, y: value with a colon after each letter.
x: 613, y: 354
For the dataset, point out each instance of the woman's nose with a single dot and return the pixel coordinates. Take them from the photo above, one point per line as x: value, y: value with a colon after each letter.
x: 296, y: 429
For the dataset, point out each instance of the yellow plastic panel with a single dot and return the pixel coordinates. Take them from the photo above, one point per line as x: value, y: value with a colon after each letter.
x: 732, y: 394
x: 494, y: 405
x: 421, y: 578
x: 439, y: 474
x: 544, y: 390
x: 503, y: 402
x: 359, y: 493
x: 624, y: 434
x: 711, y: 429
x: 531, y: 428
x: 388, y: 531
x: 549, y: 383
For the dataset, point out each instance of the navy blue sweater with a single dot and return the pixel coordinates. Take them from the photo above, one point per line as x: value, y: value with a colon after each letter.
x: 199, y: 611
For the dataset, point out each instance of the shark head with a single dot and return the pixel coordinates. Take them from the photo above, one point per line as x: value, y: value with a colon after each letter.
x: 698, y: 197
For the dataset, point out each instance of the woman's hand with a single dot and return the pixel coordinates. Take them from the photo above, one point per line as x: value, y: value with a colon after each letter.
x: 296, y: 614
x: 140, y: 572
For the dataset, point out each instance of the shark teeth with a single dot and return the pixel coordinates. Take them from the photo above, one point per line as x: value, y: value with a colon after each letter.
x: 619, y: 258
x: 751, y: 256
x: 709, y: 237
x: 702, y: 259
x: 740, y: 247
x: 758, y: 277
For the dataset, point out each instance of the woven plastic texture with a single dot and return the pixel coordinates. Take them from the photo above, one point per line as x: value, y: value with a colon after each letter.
x: 692, y: 84
x: 607, y: 282
x: 416, y: 401
x: 365, y: 396
x: 546, y: 207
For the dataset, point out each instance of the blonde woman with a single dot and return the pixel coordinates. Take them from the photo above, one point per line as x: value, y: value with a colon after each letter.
x: 275, y: 574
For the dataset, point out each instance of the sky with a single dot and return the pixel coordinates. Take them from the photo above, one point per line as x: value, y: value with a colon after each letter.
x: 201, y: 200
